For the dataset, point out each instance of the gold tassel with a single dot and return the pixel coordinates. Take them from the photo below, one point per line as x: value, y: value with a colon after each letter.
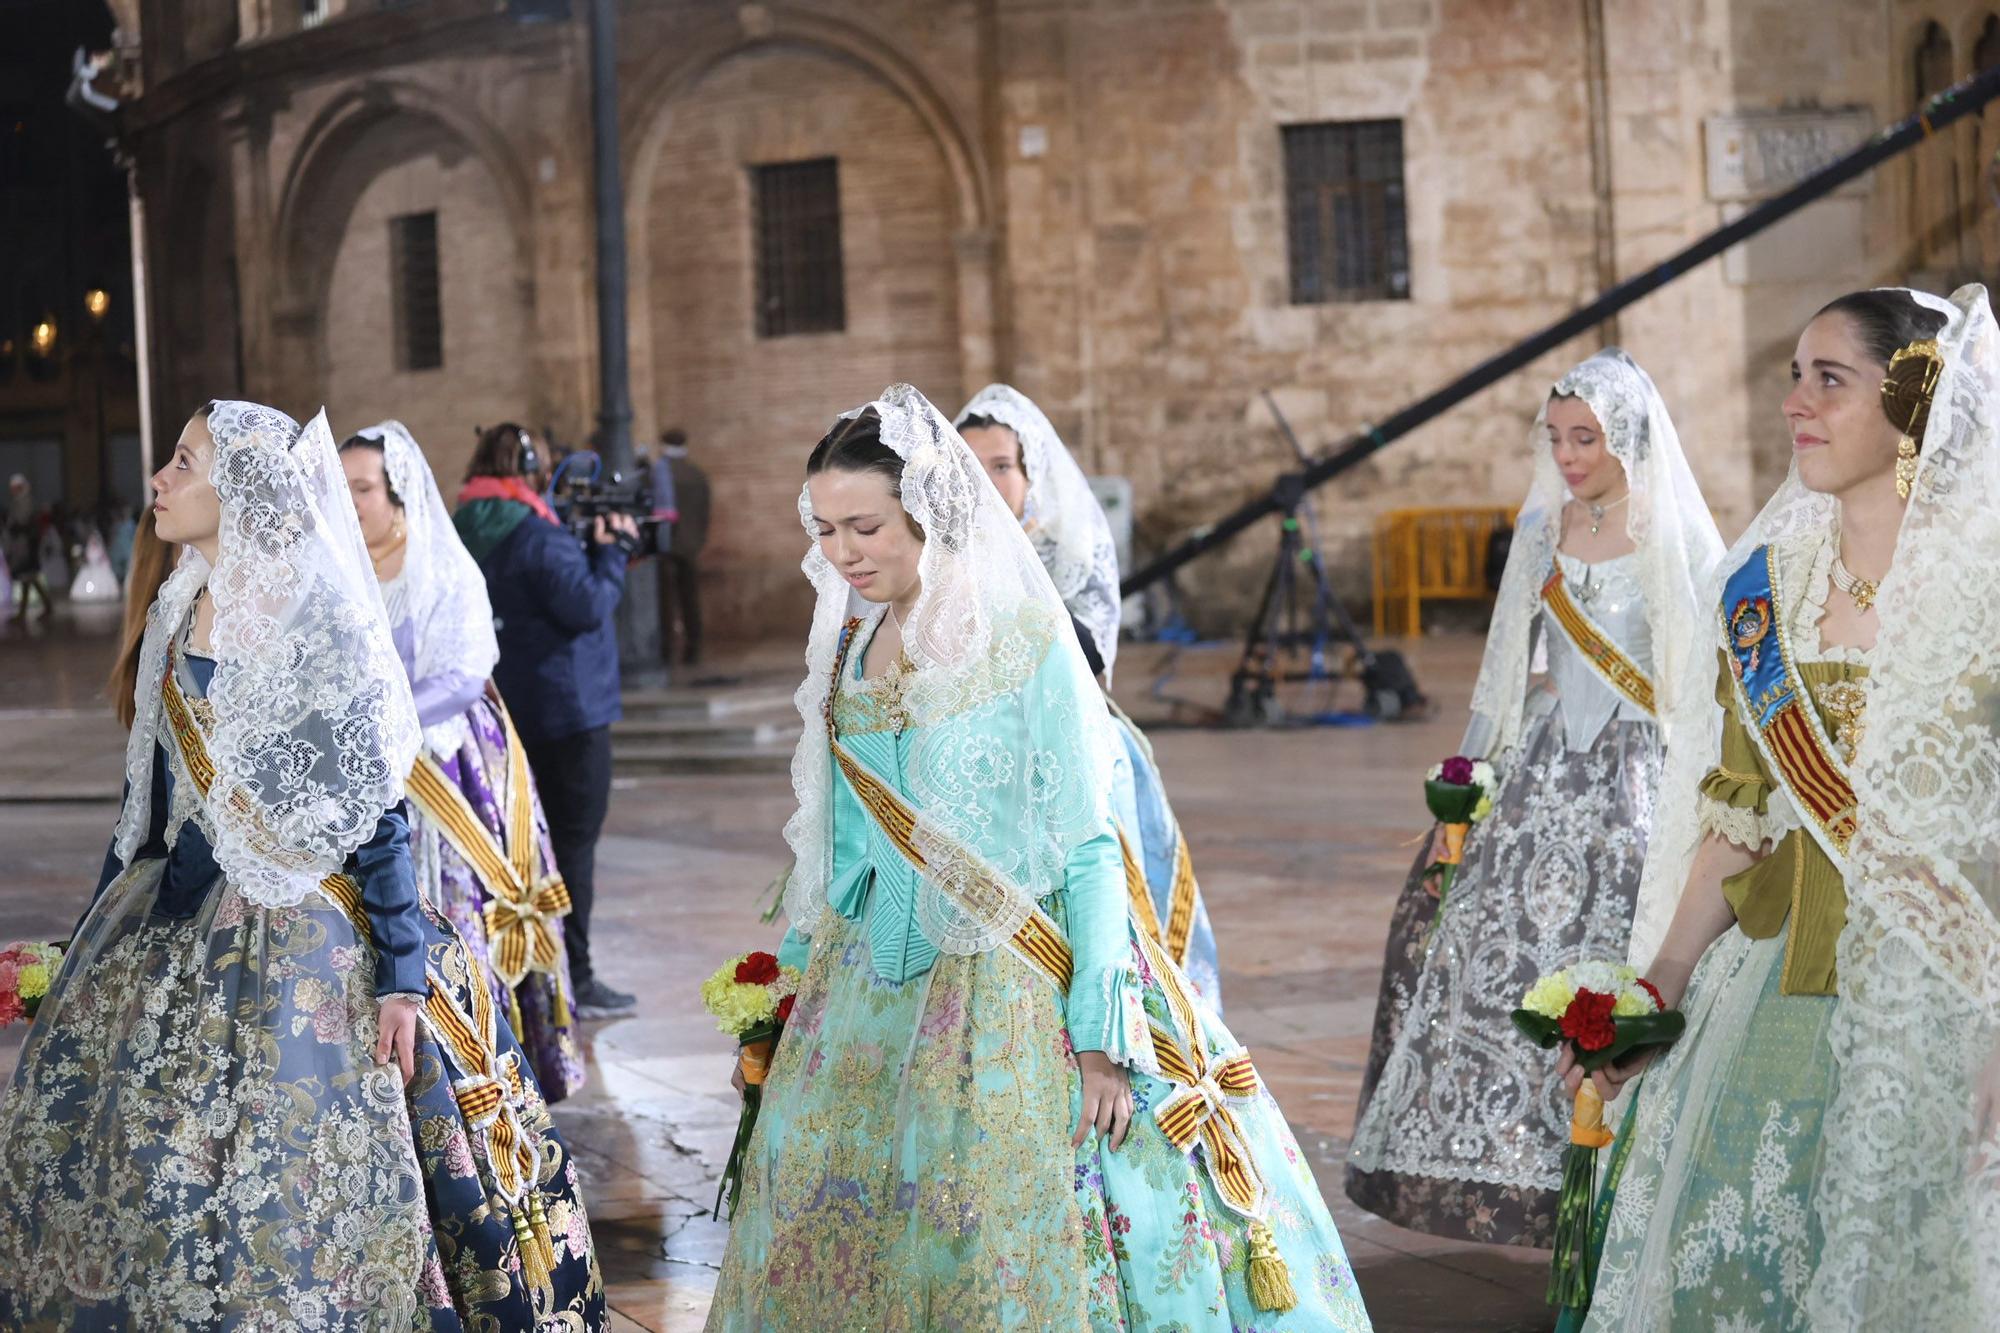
x: 535, y: 1255
x: 563, y: 1019
x: 1270, y: 1279
x: 514, y: 1010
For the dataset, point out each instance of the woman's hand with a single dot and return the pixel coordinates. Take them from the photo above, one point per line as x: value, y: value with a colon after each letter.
x: 1670, y: 979
x: 1433, y: 882
x: 736, y: 1076
x: 397, y: 1029
x: 1107, y: 1099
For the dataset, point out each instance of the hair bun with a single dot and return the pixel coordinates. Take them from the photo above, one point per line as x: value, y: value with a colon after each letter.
x: 1908, y: 386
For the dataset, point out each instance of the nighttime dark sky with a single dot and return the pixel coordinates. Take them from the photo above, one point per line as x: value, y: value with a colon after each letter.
x: 63, y: 211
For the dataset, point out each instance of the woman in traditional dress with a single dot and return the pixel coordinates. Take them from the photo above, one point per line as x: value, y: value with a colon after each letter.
x: 267, y: 1089
x: 1039, y: 479
x: 1820, y: 898
x: 1461, y: 1130
x: 477, y: 835
x: 997, y: 1105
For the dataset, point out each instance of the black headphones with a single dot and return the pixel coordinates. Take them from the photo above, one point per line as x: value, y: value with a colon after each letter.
x: 529, y: 462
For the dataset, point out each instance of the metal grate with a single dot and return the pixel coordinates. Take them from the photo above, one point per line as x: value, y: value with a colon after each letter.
x: 413, y: 271
x: 800, y: 285
x: 1344, y: 211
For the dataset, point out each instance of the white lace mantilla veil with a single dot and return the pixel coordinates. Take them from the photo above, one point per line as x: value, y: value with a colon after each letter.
x: 1063, y: 519
x: 994, y: 656
x: 442, y: 590
x: 314, y: 724
x: 1667, y: 519
x: 1908, y: 1197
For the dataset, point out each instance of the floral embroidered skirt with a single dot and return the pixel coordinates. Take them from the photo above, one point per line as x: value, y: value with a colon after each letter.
x: 542, y: 1020
x: 197, y: 1136
x: 1462, y: 1123
x: 1713, y: 1223
x: 912, y: 1169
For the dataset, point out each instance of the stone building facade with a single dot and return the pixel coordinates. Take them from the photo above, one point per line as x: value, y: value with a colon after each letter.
x: 1088, y: 198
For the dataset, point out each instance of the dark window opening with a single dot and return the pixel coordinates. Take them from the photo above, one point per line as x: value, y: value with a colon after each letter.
x: 800, y: 285
x: 413, y: 263
x: 1344, y: 212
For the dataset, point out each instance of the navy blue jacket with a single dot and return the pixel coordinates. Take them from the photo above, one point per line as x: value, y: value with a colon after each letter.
x: 381, y: 866
x: 553, y: 602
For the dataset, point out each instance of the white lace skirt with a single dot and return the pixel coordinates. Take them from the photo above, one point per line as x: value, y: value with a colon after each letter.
x: 1462, y: 1133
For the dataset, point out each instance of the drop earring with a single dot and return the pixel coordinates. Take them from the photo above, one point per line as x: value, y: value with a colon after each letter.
x: 1906, y: 466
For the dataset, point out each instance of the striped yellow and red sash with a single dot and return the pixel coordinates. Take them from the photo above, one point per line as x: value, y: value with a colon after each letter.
x: 1206, y: 1088
x: 1178, y: 930
x: 1611, y: 664
x: 523, y: 907
x: 1787, y: 731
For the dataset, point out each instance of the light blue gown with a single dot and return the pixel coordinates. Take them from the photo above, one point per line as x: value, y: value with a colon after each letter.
x: 912, y: 1166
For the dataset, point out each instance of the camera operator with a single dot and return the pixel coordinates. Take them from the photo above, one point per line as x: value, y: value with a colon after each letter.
x: 554, y: 597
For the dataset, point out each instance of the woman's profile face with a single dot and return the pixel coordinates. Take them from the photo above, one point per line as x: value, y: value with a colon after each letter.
x: 998, y: 450
x: 1576, y: 441
x: 186, y: 508
x: 368, y: 487
x: 866, y: 534
x: 1841, y: 438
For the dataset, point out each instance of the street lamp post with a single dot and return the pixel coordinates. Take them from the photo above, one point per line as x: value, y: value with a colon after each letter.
x: 639, y: 612
x: 97, y: 304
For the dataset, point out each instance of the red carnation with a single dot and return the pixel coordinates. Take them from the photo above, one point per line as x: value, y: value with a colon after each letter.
x: 1659, y: 1001
x: 757, y: 969
x: 1457, y: 770
x: 785, y: 1009
x: 1587, y: 1021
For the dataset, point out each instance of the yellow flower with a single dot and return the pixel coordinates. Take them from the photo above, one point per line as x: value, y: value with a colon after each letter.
x: 33, y: 981
x: 1633, y: 1003
x: 738, y: 1006
x: 1483, y: 809
x: 1550, y: 997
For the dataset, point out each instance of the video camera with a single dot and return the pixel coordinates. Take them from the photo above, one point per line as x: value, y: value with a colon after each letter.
x: 580, y: 499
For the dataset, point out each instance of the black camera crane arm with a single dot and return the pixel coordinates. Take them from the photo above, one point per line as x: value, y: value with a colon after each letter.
x: 1951, y: 105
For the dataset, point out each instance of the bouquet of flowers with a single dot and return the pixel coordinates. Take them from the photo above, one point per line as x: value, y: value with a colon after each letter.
x: 751, y: 997
x: 26, y: 970
x: 1604, y: 1011
x: 1459, y: 792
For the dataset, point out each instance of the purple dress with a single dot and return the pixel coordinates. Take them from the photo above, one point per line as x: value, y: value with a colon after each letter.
x: 466, y: 734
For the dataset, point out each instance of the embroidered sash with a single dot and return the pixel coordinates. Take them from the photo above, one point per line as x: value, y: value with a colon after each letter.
x: 524, y: 906
x: 1207, y: 1088
x: 1611, y: 664
x: 1178, y: 931
x: 1773, y: 701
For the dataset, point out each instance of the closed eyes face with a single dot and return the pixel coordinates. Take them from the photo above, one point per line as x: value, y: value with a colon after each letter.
x: 368, y: 486
x: 1576, y: 442
x: 186, y: 508
x: 1840, y: 435
x: 866, y: 534
x: 998, y: 450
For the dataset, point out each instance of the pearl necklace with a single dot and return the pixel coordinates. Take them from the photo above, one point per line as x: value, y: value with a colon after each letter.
x: 1860, y: 589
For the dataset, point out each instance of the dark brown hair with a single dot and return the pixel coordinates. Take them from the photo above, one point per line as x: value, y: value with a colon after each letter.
x: 855, y: 445
x: 369, y: 442
x: 499, y: 453
x: 152, y: 561
x: 1886, y: 320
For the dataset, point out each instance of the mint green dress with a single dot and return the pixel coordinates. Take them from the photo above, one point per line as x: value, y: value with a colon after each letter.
x: 912, y: 1165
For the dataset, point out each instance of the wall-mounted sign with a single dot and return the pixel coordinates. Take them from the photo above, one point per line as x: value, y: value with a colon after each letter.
x: 1755, y: 154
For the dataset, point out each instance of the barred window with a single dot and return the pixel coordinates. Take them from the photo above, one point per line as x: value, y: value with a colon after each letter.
x: 1344, y: 211
x: 413, y: 278
x: 800, y: 285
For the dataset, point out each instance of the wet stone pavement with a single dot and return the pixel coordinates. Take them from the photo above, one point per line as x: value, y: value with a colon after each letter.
x: 1301, y: 839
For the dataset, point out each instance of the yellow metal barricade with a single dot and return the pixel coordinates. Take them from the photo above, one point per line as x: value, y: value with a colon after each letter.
x: 1435, y: 554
